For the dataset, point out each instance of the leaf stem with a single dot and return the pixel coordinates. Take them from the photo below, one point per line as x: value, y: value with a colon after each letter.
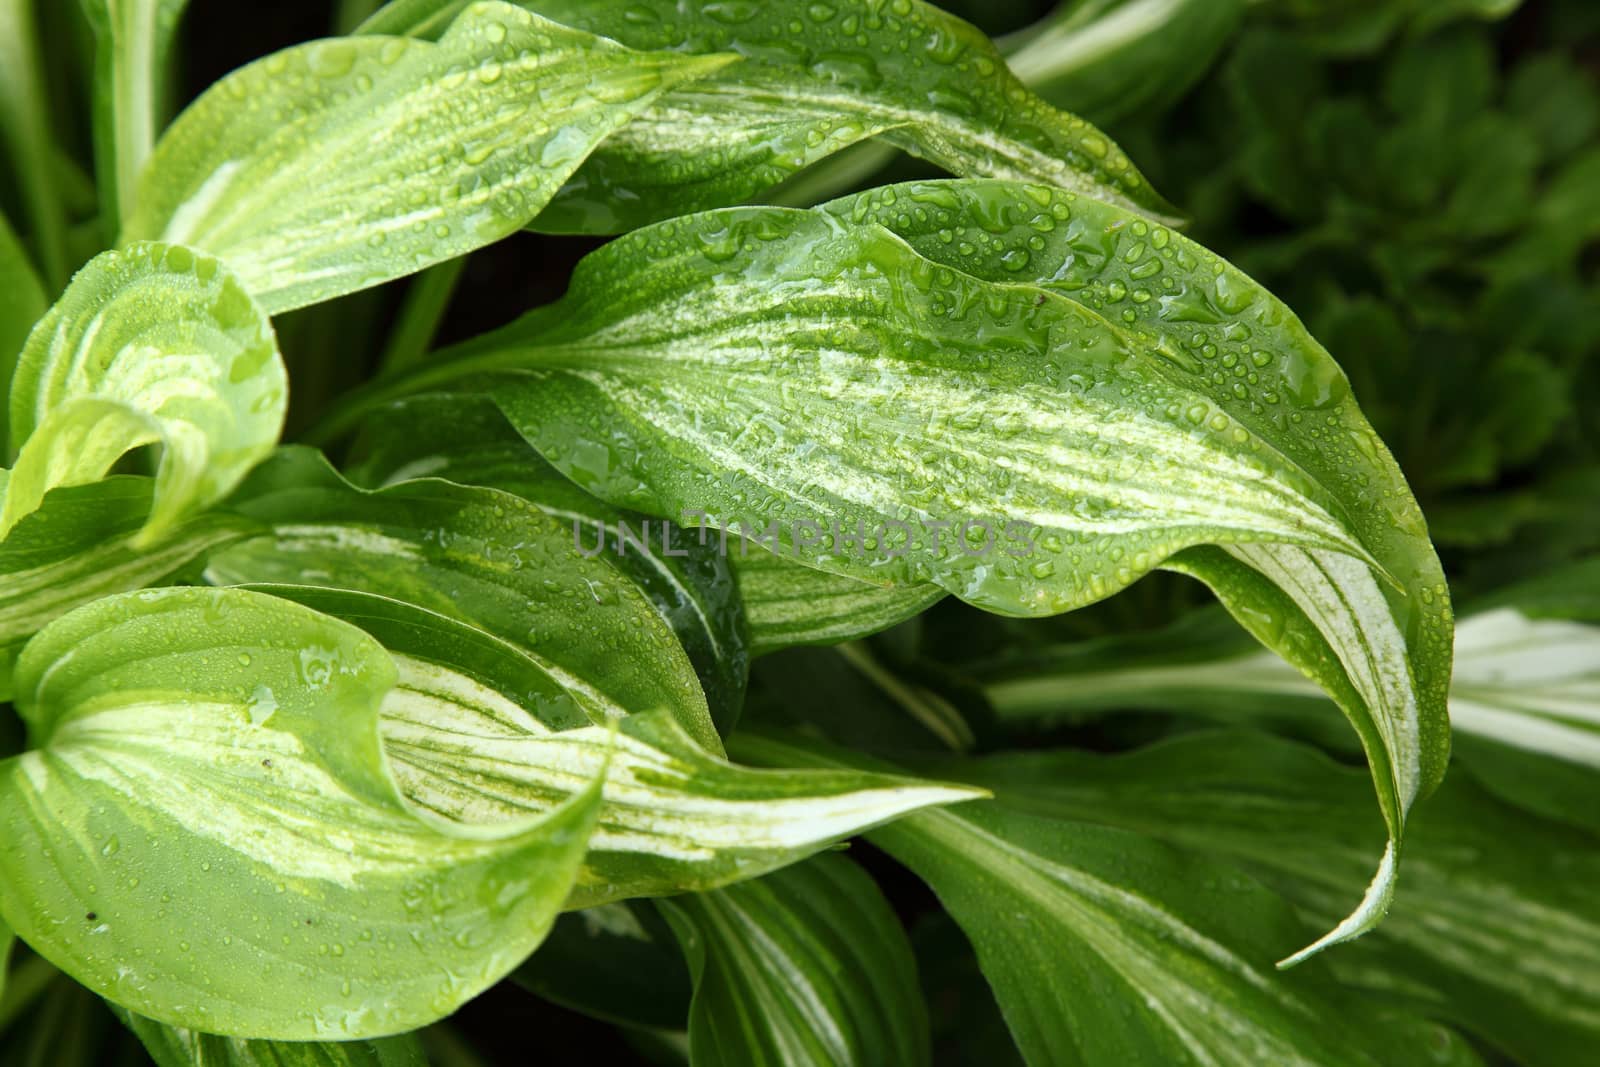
x: 25, y: 133
x: 425, y: 305
x: 936, y: 714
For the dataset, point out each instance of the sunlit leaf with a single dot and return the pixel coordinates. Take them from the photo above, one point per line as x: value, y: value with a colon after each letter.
x: 207, y: 813
x: 814, y: 80
x: 153, y: 345
x: 807, y: 966
x: 337, y: 165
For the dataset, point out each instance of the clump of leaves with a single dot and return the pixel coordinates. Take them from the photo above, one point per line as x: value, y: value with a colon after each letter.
x: 544, y: 657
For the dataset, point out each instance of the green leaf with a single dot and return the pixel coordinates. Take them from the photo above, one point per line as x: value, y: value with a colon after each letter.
x: 1107, y: 59
x: 79, y: 547
x: 155, y: 344
x: 814, y: 80
x: 616, y: 962
x: 805, y: 966
x: 208, y: 812
x: 135, y: 39
x: 1376, y: 637
x: 1103, y: 946
x: 1494, y: 928
x: 1524, y: 698
x: 672, y: 816
x: 465, y: 439
x: 22, y: 303
x: 789, y: 604
x: 173, y: 1046
x: 485, y: 558
x: 1099, y: 397
x: 341, y: 164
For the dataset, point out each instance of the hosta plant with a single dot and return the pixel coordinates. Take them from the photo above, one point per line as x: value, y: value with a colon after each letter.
x: 360, y: 664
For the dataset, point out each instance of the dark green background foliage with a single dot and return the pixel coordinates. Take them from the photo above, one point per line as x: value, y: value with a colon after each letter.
x: 1419, y: 181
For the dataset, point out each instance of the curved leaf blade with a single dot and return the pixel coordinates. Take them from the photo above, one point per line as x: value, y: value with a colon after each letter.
x: 806, y: 966
x: 1107, y: 396
x: 465, y: 439
x: 813, y: 81
x: 1103, y: 946
x: 1378, y: 639
x: 155, y: 344
x: 209, y: 761
x: 341, y: 164
x: 772, y: 399
x: 485, y: 558
x: 1494, y: 929
x: 79, y: 547
x: 468, y: 745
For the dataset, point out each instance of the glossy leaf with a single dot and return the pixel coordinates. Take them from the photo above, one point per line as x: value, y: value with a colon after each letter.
x: 465, y: 439
x: 1103, y: 946
x: 1107, y: 59
x: 1494, y: 928
x: 807, y: 966
x: 337, y: 165
x: 483, y: 557
x: 789, y: 604
x: 813, y: 81
x: 1376, y: 638
x: 156, y: 344
x: 1096, y: 396
x: 79, y: 547
x: 466, y: 744
x: 173, y: 1046
x: 207, y: 812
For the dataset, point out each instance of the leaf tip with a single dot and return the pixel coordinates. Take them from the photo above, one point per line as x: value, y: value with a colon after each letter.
x: 1368, y: 914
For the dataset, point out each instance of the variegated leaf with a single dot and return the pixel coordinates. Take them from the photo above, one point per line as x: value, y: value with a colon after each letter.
x: 153, y: 345
x: 1104, y: 946
x: 588, y: 638
x: 1097, y: 397
x: 207, y: 812
x: 468, y: 745
x: 79, y: 547
x: 337, y: 165
x: 815, y: 79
